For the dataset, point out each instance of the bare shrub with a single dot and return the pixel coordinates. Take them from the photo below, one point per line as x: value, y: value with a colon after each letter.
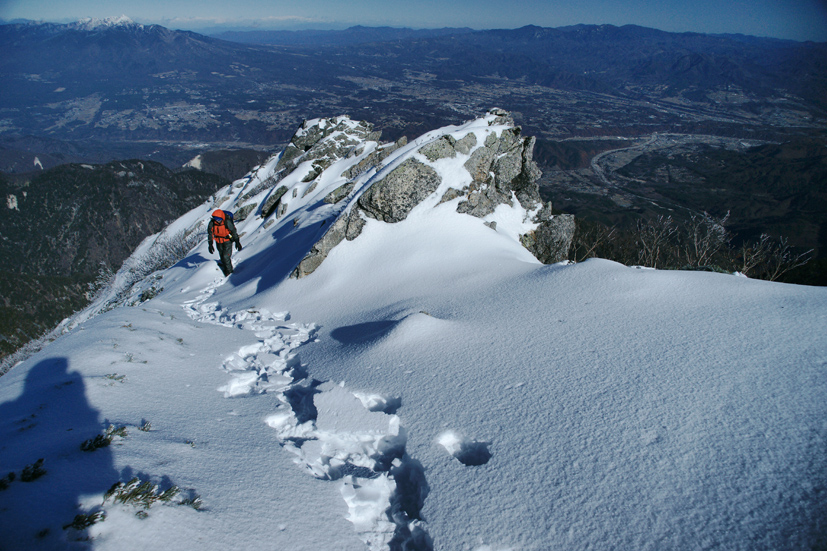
x: 769, y: 258
x: 654, y: 240
x: 166, y: 251
x: 703, y: 238
x: 590, y: 239
x: 703, y: 242
x: 102, y: 281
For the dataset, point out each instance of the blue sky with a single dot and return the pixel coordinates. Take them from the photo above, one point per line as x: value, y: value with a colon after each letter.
x: 796, y: 19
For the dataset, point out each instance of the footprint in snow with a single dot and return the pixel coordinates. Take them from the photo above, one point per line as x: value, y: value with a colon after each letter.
x: 351, y: 437
x: 470, y: 453
x: 378, y: 402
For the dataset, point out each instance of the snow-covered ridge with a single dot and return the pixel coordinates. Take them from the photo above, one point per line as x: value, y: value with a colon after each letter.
x: 335, y: 176
x: 92, y: 24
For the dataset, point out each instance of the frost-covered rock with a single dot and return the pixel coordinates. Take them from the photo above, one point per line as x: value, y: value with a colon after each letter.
x: 309, y: 142
x: 502, y: 165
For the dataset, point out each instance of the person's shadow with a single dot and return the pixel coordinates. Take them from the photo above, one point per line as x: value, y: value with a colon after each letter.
x: 49, y: 420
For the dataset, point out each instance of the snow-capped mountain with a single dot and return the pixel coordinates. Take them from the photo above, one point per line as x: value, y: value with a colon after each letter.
x: 92, y: 24
x: 391, y: 367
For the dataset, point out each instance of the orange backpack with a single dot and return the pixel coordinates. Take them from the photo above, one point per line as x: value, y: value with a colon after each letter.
x: 220, y: 231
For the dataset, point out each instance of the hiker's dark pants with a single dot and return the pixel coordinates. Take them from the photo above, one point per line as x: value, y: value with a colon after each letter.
x: 225, y: 252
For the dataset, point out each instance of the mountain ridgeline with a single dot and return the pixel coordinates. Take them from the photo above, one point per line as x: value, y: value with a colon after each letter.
x: 335, y: 178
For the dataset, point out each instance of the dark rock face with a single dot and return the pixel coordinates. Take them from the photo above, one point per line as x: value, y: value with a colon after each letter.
x: 348, y: 226
x: 272, y: 201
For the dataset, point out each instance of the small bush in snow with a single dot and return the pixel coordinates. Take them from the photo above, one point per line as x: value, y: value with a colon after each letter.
x: 150, y: 293
x: 145, y: 426
x: 100, y: 441
x: 33, y: 471
x: 194, y: 502
x: 139, y: 493
x: 82, y: 521
x: 6, y: 480
x: 103, y: 440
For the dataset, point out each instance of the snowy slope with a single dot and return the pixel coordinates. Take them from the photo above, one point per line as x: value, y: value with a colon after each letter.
x: 430, y: 386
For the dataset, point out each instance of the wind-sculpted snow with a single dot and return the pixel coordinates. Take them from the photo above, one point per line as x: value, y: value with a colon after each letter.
x: 335, y: 434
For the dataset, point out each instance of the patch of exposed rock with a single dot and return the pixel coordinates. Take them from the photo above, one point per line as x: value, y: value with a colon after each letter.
x: 309, y: 144
x: 321, y: 142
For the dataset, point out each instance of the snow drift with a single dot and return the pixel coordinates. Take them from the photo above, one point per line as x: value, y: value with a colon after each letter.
x: 422, y: 381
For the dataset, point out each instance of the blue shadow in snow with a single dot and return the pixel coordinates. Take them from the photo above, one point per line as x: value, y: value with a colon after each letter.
x: 363, y: 333
x: 275, y: 264
x: 49, y: 420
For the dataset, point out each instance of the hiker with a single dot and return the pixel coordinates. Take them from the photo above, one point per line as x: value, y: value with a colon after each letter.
x: 221, y: 229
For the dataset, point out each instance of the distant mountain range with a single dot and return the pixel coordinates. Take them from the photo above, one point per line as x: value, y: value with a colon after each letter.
x: 130, y: 83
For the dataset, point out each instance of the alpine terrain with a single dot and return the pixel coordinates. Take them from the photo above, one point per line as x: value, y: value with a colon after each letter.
x: 401, y: 361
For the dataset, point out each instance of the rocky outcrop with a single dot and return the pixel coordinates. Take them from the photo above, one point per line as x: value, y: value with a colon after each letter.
x: 501, y: 166
x: 322, y: 142
x: 309, y: 143
x: 374, y: 159
x: 389, y: 200
x: 502, y: 169
x: 551, y: 241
